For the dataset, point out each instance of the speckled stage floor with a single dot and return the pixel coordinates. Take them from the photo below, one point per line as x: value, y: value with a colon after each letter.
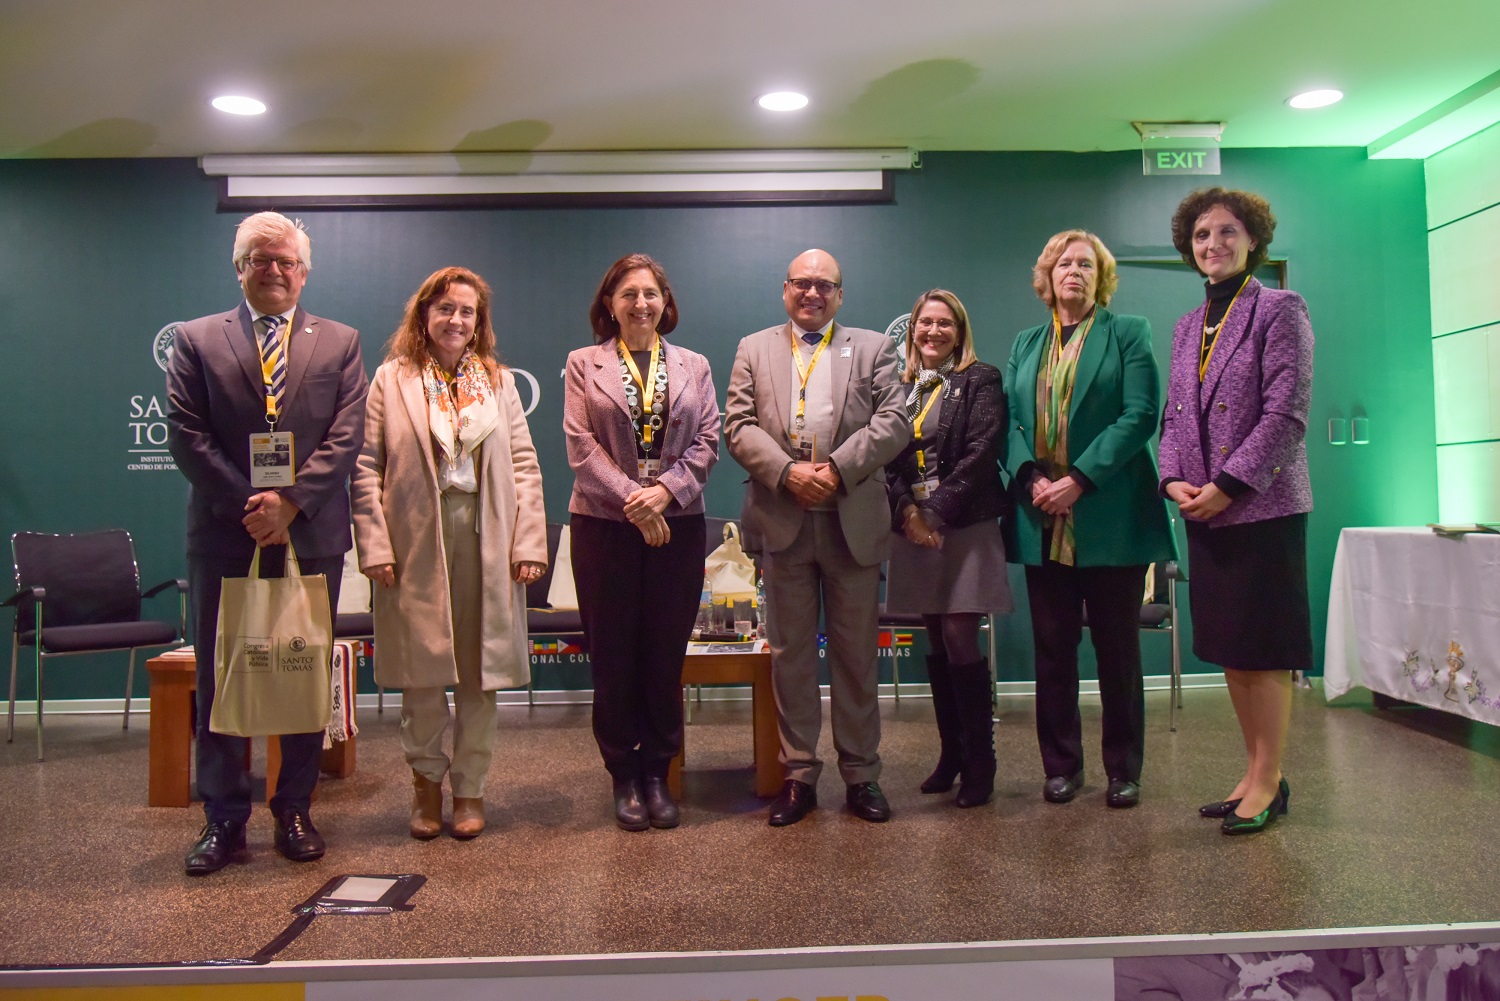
x: 1392, y: 822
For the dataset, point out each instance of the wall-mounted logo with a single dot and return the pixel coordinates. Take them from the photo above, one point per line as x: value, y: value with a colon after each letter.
x: 536, y: 389
x: 161, y: 344
x: 898, y: 328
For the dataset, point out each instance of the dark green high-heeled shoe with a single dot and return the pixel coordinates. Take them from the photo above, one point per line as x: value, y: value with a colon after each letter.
x: 1235, y: 824
x: 1224, y: 808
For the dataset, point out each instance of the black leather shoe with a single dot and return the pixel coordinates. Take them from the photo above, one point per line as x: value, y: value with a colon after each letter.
x: 1061, y: 788
x: 630, y: 808
x: 795, y: 801
x: 1280, y: 804
x: 297, y: 838
x: 660, y: 806
x: 867, y: 802
x: 218, y: 843
x: 1122, y: 794
x: 1218, y: 810
x: 1222, y: 809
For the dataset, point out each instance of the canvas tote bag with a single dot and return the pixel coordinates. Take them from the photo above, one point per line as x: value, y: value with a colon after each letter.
x: 271, y: 657
x: 729, y: 570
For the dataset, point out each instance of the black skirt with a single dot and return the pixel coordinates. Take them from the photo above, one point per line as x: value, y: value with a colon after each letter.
x: 1248, y: 588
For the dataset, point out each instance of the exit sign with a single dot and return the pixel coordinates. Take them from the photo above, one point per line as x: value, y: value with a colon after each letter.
x: 1180, y: 160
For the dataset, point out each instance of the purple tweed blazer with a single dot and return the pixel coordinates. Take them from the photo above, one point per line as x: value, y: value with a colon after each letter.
x: 1248, y: 417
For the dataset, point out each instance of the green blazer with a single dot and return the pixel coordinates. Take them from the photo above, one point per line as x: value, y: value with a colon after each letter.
x: 1116, y: 404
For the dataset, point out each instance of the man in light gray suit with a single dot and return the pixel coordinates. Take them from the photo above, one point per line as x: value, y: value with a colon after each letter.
x: 814, y: 413
x: 265, y: 365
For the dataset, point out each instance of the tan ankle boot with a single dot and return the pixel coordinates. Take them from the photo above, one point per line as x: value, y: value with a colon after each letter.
x: 426, y: 807
x: 468, y: 817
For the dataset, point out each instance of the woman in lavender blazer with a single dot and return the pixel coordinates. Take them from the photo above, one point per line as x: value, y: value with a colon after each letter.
x: 641, y: 420
x: 1233, y: 458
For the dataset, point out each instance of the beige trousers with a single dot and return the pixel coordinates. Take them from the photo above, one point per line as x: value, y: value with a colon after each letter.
x: 424, y: 711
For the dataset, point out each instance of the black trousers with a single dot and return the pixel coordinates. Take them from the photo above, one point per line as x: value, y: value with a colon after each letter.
x: 223, y: 780
x: 1058, y: 595
x: 638, y: 604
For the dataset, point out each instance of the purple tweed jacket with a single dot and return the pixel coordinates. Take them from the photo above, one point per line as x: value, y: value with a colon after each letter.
x: 1248, y: 418
x: 601, y: 438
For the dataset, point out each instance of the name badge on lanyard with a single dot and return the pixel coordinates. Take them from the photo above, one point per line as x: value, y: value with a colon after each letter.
x: 804, y: 445
x: 647, y: 471
x: 271, y: 455
x: 923, y: 489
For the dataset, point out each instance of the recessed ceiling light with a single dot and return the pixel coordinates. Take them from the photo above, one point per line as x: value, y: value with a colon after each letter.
x: 1316, y: 99
x: 783, y: 100
x: 239, y: 105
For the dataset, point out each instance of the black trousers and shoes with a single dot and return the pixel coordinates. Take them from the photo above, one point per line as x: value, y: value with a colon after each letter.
x: 1058, y: 596
x: 638, y: 604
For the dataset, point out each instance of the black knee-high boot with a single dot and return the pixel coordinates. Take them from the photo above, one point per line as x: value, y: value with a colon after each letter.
x: 971, y: 696
x: 945, y: 708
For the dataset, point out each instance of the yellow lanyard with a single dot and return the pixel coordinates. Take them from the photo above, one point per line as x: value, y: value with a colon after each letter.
x: 1205, y: 349
x: 916, y: 427
x: 805, y: 373
x: 647, y: 385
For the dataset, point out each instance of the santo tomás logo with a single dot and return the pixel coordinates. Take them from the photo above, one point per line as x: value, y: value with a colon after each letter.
x: 297, y: 644
x: 162, y: 343
x: 898, y: 329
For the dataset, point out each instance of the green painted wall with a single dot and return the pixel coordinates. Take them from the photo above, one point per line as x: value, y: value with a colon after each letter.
x: 97, y: 256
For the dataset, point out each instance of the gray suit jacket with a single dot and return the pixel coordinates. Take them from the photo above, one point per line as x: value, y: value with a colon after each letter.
x: 216, y: 399
x: 870, y: 429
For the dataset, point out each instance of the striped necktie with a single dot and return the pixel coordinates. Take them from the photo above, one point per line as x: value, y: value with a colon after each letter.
x: 273, y: 361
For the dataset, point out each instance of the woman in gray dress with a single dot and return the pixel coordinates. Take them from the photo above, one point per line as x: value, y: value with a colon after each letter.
x: 948, y: 561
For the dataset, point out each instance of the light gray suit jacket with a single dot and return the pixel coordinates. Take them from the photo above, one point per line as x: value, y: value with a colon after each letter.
x: 870, y: 429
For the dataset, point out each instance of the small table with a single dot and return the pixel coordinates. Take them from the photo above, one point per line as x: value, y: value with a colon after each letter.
x: 174, y: 690
x: 1416, y: 616
x: 752, y: 666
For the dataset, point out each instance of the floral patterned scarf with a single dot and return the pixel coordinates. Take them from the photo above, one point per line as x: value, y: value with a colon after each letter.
x: 461, y: 408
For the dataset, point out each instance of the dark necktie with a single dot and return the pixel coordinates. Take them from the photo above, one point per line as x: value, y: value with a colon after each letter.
x: 811, y: 338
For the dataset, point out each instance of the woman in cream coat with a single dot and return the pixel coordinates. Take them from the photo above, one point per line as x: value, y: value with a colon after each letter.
x: 449, y: 519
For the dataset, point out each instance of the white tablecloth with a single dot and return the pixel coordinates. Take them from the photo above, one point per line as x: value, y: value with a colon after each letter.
x: 1417, y: 617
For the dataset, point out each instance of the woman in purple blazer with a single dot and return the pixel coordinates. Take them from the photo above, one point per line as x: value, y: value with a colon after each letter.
x: 641, y: 420
x: 1234, y: 460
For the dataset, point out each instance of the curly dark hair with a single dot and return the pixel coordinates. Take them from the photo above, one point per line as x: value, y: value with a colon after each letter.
x: 1253, y: 212
x: 605, y: 326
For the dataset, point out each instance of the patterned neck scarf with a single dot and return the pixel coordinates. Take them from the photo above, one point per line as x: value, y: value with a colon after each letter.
x: 1054, y: 396
x: 926, y: 377
x: 461, y: 408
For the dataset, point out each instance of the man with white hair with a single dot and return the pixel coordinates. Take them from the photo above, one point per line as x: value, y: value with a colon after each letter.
x: 266, y: 365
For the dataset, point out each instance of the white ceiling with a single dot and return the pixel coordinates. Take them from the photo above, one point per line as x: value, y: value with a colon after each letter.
x: 133, y: 77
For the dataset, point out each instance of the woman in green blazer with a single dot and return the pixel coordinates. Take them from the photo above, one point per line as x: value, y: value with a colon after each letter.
x: 1084, y: 399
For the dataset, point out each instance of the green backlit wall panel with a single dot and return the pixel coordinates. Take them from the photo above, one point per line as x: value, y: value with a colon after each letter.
x: 1463, y: 204
x: 99, y: 255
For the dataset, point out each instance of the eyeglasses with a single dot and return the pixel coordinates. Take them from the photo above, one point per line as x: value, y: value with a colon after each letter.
x: 927, y: 322
x: 260, y: 263
x: 810, y: 285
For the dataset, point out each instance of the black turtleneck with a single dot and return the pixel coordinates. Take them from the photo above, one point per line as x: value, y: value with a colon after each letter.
x: 1220, y: 295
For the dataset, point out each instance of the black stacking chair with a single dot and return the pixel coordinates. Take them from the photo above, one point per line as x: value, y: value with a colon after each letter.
x: 1159, y: 614
x: 541, y: 618
x: 80, y: 594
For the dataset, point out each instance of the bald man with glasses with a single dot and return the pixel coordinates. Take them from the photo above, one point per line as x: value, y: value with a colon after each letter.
x: 815, y: 411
